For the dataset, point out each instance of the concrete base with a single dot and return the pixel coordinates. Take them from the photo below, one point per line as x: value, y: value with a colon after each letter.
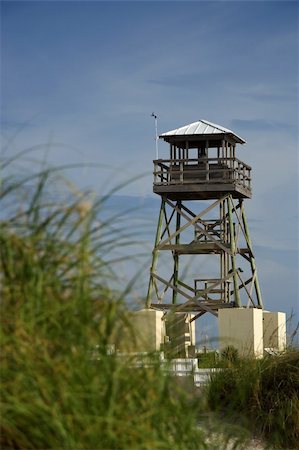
x: 241, y: 328
x: 274, y: 324
x: 148, y: 330
x: 181, y: 335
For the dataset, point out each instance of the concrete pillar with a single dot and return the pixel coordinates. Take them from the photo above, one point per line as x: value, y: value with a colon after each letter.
x: 274, y: 324
x: 241, y: 328
x: 181, y: 335
x: 148, y: 331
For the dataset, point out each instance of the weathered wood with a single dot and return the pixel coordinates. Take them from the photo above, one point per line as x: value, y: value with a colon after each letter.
x: 188, y: 297
x: 194, y: 248
x: 247, y: 292
x: 229, y: 172
x: 252, y: 259
x: 175, y: 255
x: 201, y: 192
x: 223, y: 179
x: 186, y: 286
x: 213, y: 285
x: 197, y: 316
x: 167, y: 223
x: 194, y: 222
x: 190, y: 222
x: 233, y: 252
x: 184, y: 307
x: 155, y: 254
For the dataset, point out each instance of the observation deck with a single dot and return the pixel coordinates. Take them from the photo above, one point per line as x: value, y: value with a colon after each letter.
x: 202, y: 164
x: 202, y: 178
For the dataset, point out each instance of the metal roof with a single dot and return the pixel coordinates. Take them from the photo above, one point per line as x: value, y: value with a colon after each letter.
x: 201, y: 127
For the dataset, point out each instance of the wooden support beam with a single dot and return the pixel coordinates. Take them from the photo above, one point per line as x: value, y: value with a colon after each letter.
x: 204, y: 248
x: 188, y: 297
x: 175, y: 255
x: 186, y: 286
x: 193, y: 222
x: 233, y: 252
x: 243, y: 283
x: 197, y: 316
x: 216, y: 283
x: 155, y: 254
x: 252, y: 260
x: 244, y: 286
x: 167, y: 223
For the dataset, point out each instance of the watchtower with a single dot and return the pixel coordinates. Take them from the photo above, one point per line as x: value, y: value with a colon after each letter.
x: 202, y: 187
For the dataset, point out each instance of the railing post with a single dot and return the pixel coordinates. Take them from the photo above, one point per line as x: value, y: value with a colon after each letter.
x: 233, y: 168
x: 207, y: 161
x: 181, y: 172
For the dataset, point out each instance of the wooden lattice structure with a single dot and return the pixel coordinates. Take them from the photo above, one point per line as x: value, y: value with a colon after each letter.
x: 202, y: 187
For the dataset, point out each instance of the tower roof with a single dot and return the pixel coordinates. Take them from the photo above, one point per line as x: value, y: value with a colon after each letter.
x: 200, y: 128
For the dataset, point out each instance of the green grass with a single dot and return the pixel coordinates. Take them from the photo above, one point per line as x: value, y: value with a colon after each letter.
x: 262, y: 395
x: 57, y: 305
x: 59, y: 302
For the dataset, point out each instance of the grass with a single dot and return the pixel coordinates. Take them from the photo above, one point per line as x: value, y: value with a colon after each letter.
x: 59, y: 303
x: 262, y: 395
x: 57, y: 306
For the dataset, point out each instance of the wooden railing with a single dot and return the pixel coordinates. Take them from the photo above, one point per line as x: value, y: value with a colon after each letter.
x: 202, y: 171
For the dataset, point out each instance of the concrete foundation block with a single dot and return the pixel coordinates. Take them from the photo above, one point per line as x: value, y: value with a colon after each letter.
x: 241, y: 328
x: 148, y: 330
x: 274, y: 325
x: 181, y: 334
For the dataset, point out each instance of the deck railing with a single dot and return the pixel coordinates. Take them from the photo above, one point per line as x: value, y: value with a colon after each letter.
x: 202, y: 171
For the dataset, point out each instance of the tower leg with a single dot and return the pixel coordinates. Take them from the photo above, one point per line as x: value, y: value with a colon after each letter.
x: 252, y: 259
x: 233, y: 250
x: 155, y: 254
x: 175, y: 255
x: 224, y: 255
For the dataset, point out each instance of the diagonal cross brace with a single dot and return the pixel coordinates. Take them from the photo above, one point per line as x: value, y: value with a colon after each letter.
x: 193, y: 222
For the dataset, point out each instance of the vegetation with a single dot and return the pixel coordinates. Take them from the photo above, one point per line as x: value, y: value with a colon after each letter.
x: 61, y: 312
x: 57, y: 307
x: 262, y: 395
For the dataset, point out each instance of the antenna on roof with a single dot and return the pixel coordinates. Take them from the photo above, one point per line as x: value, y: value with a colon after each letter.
x: 156, y: 133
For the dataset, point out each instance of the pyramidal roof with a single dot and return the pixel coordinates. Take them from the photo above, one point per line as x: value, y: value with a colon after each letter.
x: 201, y: 127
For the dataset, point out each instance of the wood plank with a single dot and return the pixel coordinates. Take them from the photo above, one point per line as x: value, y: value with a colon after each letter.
x: 189, y: 308
x: 193, y: 249
x: 194, y: 222
x: 188, y: 297
x: 186, y: 286
x: 190, y: 222
x: 197, y: 316
x: 203, y: 231
x: 247, y: 292
x: 196, y: 192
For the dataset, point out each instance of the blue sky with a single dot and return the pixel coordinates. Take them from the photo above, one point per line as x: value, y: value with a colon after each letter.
x: 84, y: 77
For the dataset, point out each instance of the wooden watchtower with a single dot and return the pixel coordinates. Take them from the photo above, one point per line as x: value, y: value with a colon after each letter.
x: 202, y: 187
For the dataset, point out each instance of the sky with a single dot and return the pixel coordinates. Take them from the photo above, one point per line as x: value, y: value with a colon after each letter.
x: 79, y: 81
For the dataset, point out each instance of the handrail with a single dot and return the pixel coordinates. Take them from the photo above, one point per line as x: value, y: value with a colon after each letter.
x: 177, y: 171
x: 203, y: 159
